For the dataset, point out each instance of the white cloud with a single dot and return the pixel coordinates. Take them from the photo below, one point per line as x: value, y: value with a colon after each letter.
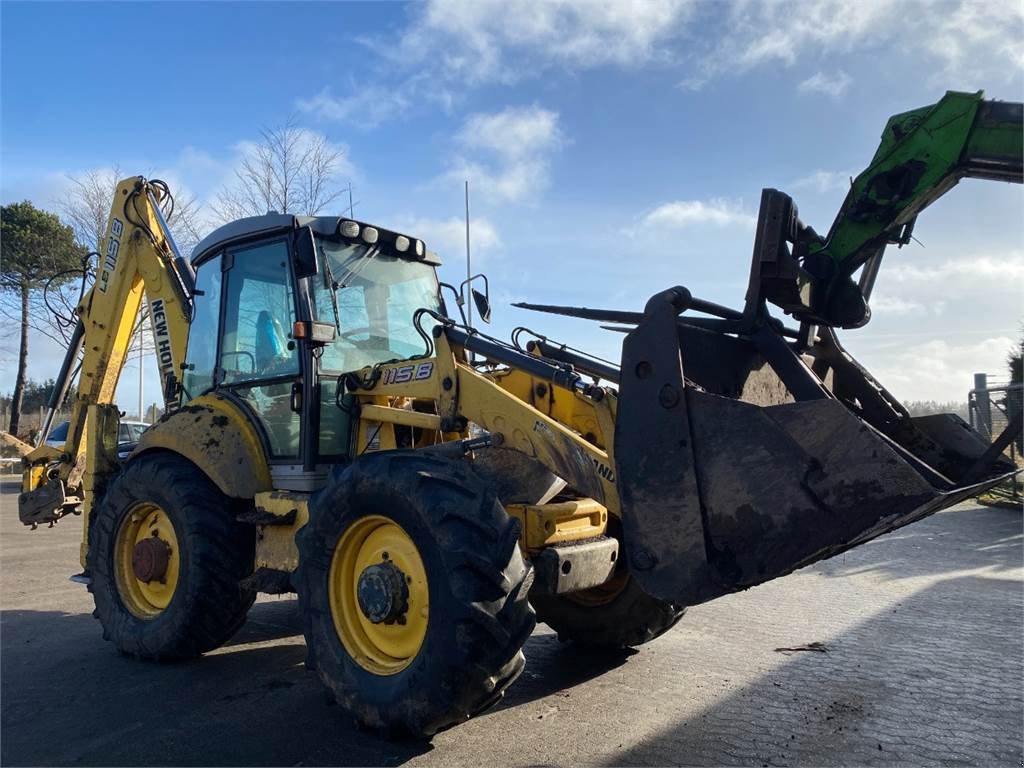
x: 502, y: 40
x: 1005, y: 271
x: 781, y: 31
x: 963, y: 42
x: 684, y: 213
x: 824, y: 181
x: 369, y: 108
x: 506, y: 155
x: 976, y: 41
x: 888, y: 304
x: 513, y: 132
x: 830, y: 85
x: 193, y: 161
x: 449, y: 45
x: 936, y: 369
x: 771, y: 33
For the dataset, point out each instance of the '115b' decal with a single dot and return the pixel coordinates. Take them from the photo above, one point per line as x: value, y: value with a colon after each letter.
x: 404, y: 373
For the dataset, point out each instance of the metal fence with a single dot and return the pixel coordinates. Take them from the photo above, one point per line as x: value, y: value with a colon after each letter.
x: 991, y: 405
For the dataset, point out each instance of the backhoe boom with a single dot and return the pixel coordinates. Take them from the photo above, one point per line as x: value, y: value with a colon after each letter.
x: 137, y: 257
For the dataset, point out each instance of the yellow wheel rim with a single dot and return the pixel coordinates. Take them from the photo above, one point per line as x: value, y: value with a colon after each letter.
x: 146, y: 598
x: 387, y: 646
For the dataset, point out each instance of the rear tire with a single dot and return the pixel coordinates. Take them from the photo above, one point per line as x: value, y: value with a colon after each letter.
x: 616, y: 615
x: 210, y: 554
x: 467, y: 592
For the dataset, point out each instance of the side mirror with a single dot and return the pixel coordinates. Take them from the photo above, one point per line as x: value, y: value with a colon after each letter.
x: 481, y: 300
x: 304, y: 250
x: 483, y: 305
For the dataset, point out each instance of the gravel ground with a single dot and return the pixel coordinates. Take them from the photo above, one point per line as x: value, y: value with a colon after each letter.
x: 923, y: 662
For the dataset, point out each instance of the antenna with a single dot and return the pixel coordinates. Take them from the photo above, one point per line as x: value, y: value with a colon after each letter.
x: 351, y: 205
x: 469, y: 268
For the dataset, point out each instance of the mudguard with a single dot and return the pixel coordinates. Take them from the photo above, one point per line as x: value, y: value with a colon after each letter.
x: 217, y: 436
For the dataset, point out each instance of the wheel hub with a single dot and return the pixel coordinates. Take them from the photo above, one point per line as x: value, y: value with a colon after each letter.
x: 383, y: 593
x: 379, y: 596
x: 150, y: 558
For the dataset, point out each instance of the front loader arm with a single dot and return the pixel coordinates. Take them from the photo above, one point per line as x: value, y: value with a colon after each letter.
x: 566, y: 453
x: 538, y: 409
x: 137, y: 256
x: 922, y: 155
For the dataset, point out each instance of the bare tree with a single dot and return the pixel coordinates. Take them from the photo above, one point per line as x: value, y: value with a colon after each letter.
x: 290, y: 170
x: 86, y: 207
x: 187, y: 224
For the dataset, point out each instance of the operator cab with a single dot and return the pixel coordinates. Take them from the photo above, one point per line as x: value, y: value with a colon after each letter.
x: 259, y: 278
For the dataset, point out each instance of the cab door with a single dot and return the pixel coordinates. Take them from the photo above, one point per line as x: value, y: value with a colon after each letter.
x: 258, y: 360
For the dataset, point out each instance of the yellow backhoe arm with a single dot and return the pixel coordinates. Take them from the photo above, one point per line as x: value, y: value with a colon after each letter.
x: 137, y: 256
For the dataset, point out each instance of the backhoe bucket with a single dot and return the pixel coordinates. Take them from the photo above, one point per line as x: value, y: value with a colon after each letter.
x: 750, y: 467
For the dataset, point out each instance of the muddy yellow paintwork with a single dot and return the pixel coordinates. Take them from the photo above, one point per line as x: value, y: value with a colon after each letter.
x: 569, y: 408
x: 9, y: 440
x: 587, y: 468
x: 403, y: 416
x: 130, y: 261
x: 275, y: 544
x: 543, y: 525
x: 568, y: 432
x: 220, y: 439
x: 135, y: 261
x: 96, y: 464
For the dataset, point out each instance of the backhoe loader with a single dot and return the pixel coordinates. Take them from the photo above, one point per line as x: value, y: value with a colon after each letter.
x: 334, y: 428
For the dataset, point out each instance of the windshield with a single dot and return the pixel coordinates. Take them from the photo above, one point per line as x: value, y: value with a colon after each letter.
x: 377, y: 296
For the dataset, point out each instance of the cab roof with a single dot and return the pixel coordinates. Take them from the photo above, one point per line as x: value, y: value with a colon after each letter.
x: 253, y: 227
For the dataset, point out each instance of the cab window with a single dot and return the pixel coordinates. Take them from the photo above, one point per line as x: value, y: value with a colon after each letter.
x: 258, y: 314
x: 377, y: 297
x: 258, y: 359
x: 201, y: 357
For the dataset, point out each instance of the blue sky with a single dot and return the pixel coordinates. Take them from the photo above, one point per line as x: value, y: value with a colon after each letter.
x: 612, y: 149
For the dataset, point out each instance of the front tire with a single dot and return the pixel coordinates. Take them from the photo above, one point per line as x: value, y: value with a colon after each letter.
x: 413, y: 592
x: 161, y: 517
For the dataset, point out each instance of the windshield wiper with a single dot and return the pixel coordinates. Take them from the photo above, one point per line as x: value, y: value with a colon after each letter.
x: 332, y: 286
x: 335, y: 285
x: 359, y: 266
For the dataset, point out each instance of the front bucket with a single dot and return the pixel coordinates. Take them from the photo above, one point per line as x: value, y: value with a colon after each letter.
x: 728, y: 481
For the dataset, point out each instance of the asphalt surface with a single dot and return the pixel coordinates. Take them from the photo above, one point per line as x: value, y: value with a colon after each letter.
x: 922, y: 664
